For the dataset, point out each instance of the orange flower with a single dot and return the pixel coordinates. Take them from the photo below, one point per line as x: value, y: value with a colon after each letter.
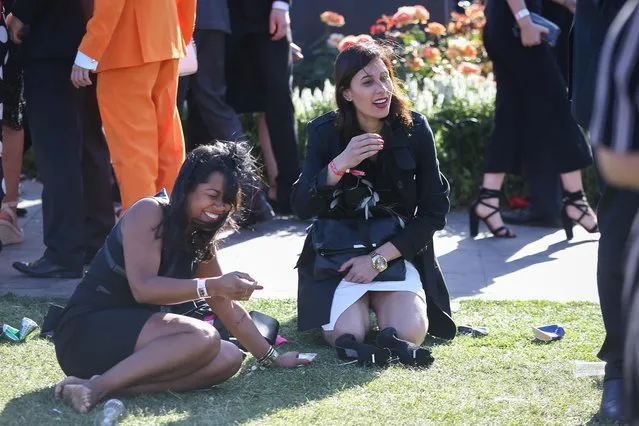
x: 352, y: 40
x: 332, y: 19
x: 475, y: 10
x: 421, y: 13
x: 436, y: 28
x: 432, y: 54
x: 383, y: 24
x: 468, y: 68
x: 415, y: 63
x: 405, y: 15
x: 454, y: 27
x: 457, y: 47
x: 458, y: 17
x: 470, y: 51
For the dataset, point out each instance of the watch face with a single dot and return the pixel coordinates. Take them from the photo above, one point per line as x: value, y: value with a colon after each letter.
x: 379, y: 263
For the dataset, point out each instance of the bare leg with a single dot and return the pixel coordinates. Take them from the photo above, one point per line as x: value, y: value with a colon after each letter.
x: 169, y: 347
x: 403, y: 310
x: 269, y: 157
x: 355, y: 320
x: 572, y: 182
x: 491, y: 181
x: 11, y: 163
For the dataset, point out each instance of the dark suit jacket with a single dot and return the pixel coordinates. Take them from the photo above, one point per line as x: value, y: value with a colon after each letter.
x: 251, y: 16
x: 592, y: 19
x: 414, y: 170
x: 213, y: 15
x: 56, y: 28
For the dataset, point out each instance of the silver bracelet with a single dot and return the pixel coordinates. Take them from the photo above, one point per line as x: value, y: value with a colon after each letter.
x: 270, y: 357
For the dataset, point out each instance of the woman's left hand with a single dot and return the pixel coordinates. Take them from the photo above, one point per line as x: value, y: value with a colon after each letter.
x: 290, y: 360
x: 361, y: 272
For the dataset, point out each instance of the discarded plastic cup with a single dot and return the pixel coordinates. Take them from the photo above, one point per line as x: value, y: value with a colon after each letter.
x: 10, y: 333
x: 589, y: 369
x: 110, y: 415
x: 28, y: 327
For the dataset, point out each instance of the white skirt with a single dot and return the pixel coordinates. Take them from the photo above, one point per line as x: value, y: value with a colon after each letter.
x: 348, y: 292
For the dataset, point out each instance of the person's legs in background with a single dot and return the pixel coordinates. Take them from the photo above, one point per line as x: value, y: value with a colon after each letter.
x: 274, y: 59
x: 55, y: 120
x: 97, y: 177
x: 133, y: 144
x: 268, y: 155
x: 170, y: 143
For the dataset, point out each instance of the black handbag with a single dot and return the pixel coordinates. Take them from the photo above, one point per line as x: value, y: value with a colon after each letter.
x: 335, y: 241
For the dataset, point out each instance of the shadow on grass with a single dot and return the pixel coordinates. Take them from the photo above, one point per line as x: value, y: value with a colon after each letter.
x: 250, y: 395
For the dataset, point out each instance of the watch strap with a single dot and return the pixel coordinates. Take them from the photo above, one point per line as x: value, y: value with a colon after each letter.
x: 202, y: 292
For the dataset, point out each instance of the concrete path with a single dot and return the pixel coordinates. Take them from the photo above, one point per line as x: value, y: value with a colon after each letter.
x: 538, y: 264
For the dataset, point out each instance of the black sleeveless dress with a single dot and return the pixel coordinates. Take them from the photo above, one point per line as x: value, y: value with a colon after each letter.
x: 102, y: 321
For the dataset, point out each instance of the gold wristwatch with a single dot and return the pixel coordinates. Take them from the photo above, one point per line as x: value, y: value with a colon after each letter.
x: 379, y: 262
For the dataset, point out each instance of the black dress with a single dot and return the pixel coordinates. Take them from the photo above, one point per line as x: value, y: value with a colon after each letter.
x: 410, y: 183
x: 533, y: 119
x: 102, y: 321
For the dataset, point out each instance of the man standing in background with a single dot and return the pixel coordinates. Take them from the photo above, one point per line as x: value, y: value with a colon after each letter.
x: 70, y: 152
x: 260, y: 31
x: 617, y: 206
x: 135, y: 46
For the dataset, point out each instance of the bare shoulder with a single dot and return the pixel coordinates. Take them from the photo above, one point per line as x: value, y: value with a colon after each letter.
x: 144, y: 214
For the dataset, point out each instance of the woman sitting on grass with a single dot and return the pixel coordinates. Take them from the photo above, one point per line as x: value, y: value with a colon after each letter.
x: 114, y: 336
x: 371, y: 163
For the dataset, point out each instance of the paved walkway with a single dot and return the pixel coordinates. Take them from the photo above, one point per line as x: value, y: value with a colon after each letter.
x: 538, y: 264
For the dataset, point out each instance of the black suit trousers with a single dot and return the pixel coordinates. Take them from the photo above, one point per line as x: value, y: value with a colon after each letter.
x: 208, y: 88
x: 72, y: 159
x: 615, y: 213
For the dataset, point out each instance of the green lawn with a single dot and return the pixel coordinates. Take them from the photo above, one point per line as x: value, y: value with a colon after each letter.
x: 504, y: 378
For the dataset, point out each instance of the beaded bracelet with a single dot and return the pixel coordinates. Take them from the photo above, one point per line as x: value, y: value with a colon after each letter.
x: 353, y: 172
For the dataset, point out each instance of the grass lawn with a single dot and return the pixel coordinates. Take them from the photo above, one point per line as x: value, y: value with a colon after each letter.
x: 504, y: 378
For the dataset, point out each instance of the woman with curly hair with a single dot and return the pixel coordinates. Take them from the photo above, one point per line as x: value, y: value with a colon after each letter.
x: 115, y: 335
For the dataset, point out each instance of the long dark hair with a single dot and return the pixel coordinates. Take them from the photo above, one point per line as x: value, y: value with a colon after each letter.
x: 231, y: 159
x: 350, y: 62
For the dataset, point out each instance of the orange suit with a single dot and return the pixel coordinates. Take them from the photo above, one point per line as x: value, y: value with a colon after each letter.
x: 137, y: 45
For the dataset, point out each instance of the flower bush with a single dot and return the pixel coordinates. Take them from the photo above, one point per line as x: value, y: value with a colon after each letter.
x: 425, y: 48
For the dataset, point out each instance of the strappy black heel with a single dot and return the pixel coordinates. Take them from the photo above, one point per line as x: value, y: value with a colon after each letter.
x: 578, y: 200
x: 406, y: 352
x: 350, y: 349
x: 485, y: 194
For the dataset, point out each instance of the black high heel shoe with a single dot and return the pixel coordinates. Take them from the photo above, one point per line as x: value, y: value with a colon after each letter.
x: 350, y: 349
x: 408, y: 353
x: 485, y: 194
x: 572, y: 199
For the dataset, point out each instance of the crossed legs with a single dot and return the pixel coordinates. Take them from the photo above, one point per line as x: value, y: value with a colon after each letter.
x: 172, y: 352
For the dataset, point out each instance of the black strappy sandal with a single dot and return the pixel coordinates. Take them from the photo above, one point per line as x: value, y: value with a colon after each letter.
x: 350, y: 349
x: 485, y: 194
x: 573, y: 199
x: 408, y: 353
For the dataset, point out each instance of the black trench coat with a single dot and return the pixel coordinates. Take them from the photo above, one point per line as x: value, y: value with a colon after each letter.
x: 412, y: 166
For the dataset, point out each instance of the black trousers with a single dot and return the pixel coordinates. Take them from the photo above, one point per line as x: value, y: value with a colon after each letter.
x: 615, y: 213
x: 208, y: 88
x: 72, y: 159
x: 631, y: 311
x: 271, y: 64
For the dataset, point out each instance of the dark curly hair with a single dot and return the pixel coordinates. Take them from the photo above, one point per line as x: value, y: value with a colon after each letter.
x: 231, y: 159
x: 350, y: 62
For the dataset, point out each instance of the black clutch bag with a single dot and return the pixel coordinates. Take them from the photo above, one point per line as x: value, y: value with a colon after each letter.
x: 553, y: 30
x: 337, y: 240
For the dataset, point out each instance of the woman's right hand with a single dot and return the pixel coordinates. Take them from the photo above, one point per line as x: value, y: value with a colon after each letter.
x: 531, y: 33
x: 359, y: 149
x: 235, y: 286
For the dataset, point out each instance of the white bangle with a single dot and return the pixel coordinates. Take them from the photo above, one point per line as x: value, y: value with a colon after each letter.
x: 522, y: 14
x: 202, y: 292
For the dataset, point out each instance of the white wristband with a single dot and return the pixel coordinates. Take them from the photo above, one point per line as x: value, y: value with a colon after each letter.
x: 202, y: 292
x: 522, y: 14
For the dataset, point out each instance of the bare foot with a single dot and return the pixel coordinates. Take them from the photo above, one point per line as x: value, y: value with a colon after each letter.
x: 71, y: 380
x: 82, y: 397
